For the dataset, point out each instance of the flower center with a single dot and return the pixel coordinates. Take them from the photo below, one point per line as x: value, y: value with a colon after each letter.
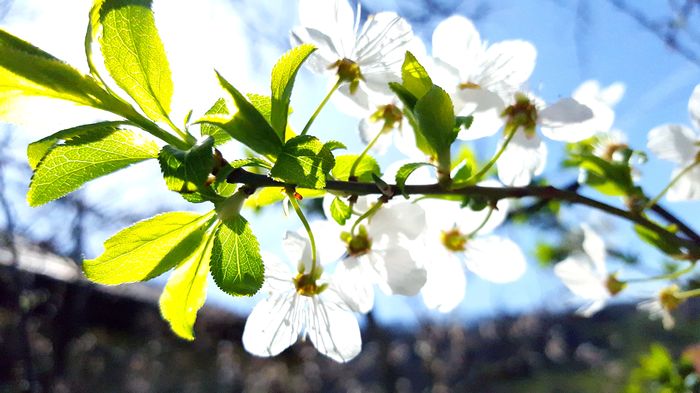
x: 522, y: 114
x: 306, y: 285
x: 468, y: 85
x: 614, y: 285
x: 348, y: 71
x: 359, y: 243
x: 668, y: 299
x: 391, y: 116
x: 454, y: 241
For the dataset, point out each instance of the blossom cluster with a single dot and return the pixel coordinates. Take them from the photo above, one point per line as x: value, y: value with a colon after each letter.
x: 422, y: 246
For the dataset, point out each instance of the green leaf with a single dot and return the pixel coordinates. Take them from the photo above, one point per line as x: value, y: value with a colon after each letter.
x: 91, y: 35
x: 148, y: 249
x: 335, y: 145
x: 463, y: 175
x: 340, y: 211
x: 657, y: 241
x: 265, y: 197
x: 609, y: 178
x: 404, y: 172
x: 186, y: 172
x: 415, y: 79
x: 134, y: 55
x: 220, y: 136
x: 27, y: 71
x: 435, y: 116
x: 247, y: 125
x: 68, y: 166
x: 263, y: 104
x: 37, y: 150
x: 304, y: 161
x: 367, y: 166
x: 236, y: 264
x: 283, y: 75
x: 409, y: 103
x: 186, y: 291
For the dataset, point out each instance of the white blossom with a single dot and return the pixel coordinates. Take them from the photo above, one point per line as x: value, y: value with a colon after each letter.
x: 300, y: 305
x: 372, y: 54
x: 452, y: 234
x: 480, y: 77
x: 681, y: 145
x: 526, y: 154
x: 661, y: 306
x: 586, y: 274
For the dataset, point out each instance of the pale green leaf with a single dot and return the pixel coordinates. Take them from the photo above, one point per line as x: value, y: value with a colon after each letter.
x: 220, y: 136
x: 415, y: 79
x: 282, y: 83
x: 27, y: 71
x: 304, y: 161
x: 91, y: 35
x: 37, y: 150
x: 404, y: 172
x: 436, y: 120
x: 68, y: 166
x: 367, y: 166
x: 186, y: 291
x: 134, y: 55
x: 246, y: 124
x: 335, y: 145
x: 263, y: 104
x: 340, y: 211
x: 186, y: 172
x: 148, y: 249
x: 265, y: 197
x: 236, y: 264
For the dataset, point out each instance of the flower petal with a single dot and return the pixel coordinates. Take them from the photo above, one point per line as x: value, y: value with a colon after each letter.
x: 382, y: 43
x: 495, y: 259
x: 457, y: 43
x: 445, y: 282
x: 578, y: 274
x: 524, y: 158
x: 354, y: 285
x: 328, y: 244
x: 673, y: 142
x: 278, y: 277
x: 486, y: 107
x: 507, y: 65
x: 273, y: 325
x: 687, y: 187
x: 333, y: 329
x: 399, y: 271
x: 298, y: 249
x: 394, y: 219
x: 561, y: 121
x: 587, y: 310
x: 594, y: 246
x: 334, y: 18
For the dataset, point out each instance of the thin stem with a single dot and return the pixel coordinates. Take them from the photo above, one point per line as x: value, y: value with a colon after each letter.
x: 366, y: 215
x: 688, y: 294
x: 511, y: 133
x: 185, y: 135
x: 669, y: 276
x: 302, y: 217
x: 488, y: 215
x: 359, y: 158
x: 320, y: 106
x: 670, y: 184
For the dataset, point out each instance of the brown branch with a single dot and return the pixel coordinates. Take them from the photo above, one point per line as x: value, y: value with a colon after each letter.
x: 493, y: 194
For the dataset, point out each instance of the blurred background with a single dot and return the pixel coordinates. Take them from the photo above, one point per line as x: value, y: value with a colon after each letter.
x: 60, y: 333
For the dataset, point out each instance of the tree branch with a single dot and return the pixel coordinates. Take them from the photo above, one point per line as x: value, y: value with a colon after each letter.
x: 493, y: 194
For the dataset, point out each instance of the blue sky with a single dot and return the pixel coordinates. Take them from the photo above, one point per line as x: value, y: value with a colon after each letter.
x: 576, y: 40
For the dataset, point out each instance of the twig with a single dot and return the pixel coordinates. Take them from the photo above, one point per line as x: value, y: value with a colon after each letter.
x: 491, y: 193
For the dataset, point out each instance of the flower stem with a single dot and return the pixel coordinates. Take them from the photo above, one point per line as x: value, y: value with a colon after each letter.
x: 488, y: 215
x: 688, y: 294
x: 669, y: 276
x: 511, y: 133
x: 359, y: 158
x: 321, y: 105
x: 302, y: 217
x: 670, y: 184
x: 366, y: 215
